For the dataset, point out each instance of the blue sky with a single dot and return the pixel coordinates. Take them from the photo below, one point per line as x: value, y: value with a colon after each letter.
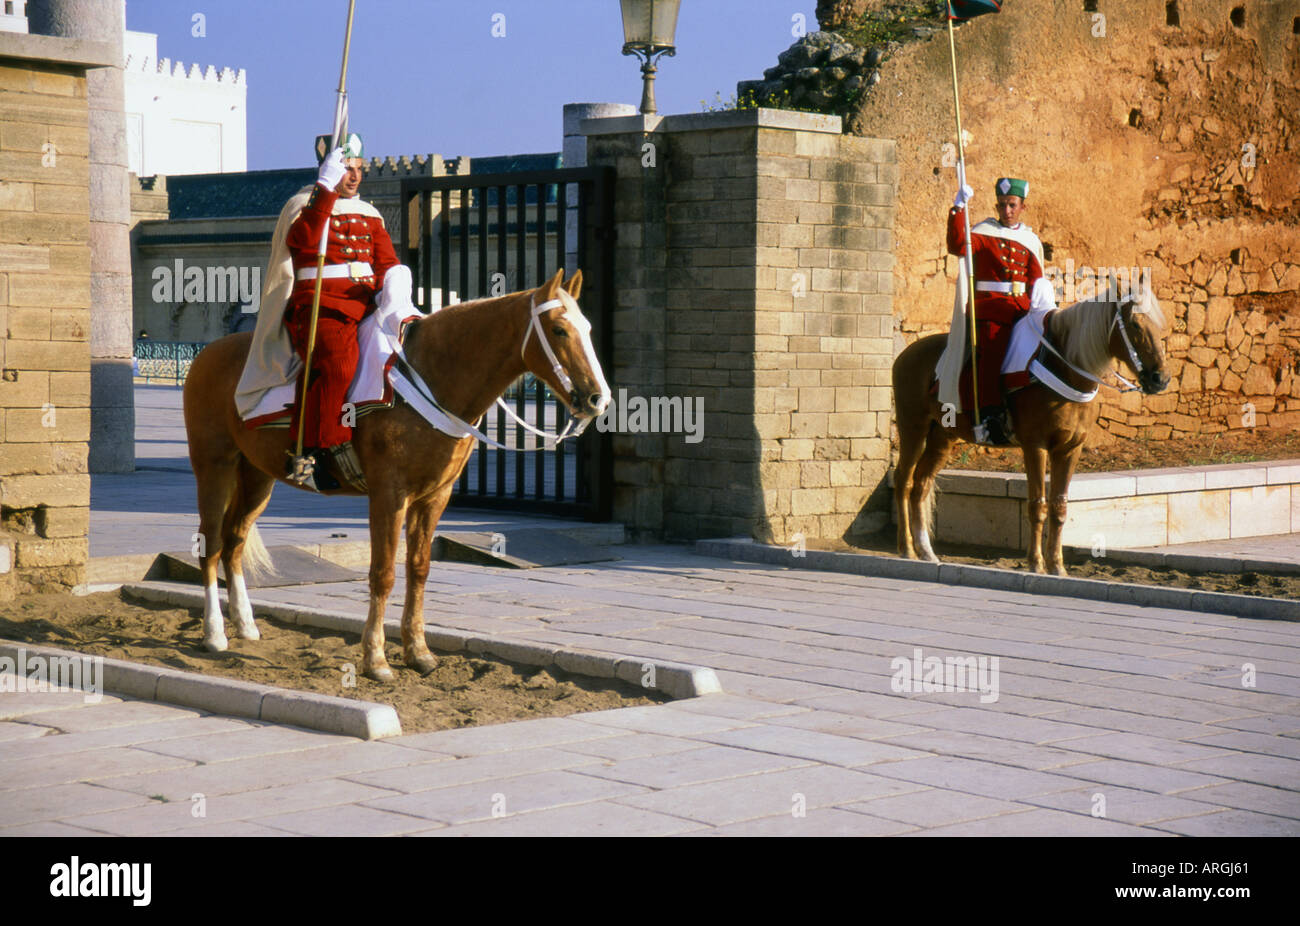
x: 429, y: 76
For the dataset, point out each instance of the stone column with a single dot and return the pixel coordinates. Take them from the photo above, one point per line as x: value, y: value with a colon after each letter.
x: 112, y: 419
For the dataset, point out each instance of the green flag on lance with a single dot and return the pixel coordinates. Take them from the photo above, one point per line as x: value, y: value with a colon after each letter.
x: 962, y: 10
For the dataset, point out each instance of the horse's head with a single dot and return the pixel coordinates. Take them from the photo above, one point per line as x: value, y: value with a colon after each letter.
x: 559, y: 351
x: 1138, y: 338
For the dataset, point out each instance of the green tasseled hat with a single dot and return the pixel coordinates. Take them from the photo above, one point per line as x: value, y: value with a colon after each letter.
x: 1010, y: 186
x: 351, y: 144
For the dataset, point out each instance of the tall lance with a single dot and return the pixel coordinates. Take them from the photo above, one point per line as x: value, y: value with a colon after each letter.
x: 302, y: 466
x: 961, y: 182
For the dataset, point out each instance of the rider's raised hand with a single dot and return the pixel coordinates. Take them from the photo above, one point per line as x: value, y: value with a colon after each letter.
x: 331, y: 170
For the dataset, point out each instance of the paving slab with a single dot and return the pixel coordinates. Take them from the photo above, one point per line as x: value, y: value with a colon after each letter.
x: 1041, y: 822
x: 1231, y: 823
x: 446, y: 772
x: 597, y: 818
x: 707, y: 763
x: 826, y: 748
x: 491, y: 799
x: 1125, y: 805
x: 345, y: 820
x: 790, y: 792
x: 933, y: 807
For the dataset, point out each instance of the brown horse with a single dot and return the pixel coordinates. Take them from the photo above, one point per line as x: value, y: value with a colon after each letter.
x: 468, y: 354
x: 1090, y: 335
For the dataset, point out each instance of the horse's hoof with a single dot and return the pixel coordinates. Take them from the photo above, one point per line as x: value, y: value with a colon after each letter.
x: 380, y: 674
x: 424, y: 663
x: 216, y: 644
x: 248, y: 631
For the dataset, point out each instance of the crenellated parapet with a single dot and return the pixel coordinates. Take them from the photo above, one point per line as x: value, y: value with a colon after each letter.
x: 148, y: 64
x: 416, y: 165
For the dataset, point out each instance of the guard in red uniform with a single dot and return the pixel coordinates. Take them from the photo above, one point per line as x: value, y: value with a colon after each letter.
x: 1008, y: 264
x: 358, y: 256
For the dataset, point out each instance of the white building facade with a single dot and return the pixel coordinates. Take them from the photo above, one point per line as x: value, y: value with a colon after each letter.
x: 182, y: 121
x: 13, y: 16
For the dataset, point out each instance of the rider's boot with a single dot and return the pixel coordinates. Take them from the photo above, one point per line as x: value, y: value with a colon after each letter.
x: 994, y: 429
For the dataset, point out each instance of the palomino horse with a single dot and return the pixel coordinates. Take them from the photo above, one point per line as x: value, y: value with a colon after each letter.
x: 1089, y: 335
x: 468, y: 354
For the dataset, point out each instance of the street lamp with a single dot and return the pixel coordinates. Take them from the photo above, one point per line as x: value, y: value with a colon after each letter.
x: 648, y: 32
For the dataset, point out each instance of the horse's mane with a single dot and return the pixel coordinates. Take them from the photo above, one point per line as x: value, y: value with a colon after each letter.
x: 1083, y: 329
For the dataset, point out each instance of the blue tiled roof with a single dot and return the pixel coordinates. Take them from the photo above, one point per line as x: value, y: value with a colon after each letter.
x: 501, y: 164
x: 231, y: 196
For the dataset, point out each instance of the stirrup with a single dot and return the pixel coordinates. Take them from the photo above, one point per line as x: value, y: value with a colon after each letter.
x: 307, y: 472
x: 301, y: 470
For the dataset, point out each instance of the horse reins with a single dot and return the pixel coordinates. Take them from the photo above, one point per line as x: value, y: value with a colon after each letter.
x: 422, y: 390
x: 1066, y: 389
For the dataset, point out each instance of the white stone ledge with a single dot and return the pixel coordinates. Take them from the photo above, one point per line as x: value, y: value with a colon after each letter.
x: 1141, y: 508
x: 712, y: 122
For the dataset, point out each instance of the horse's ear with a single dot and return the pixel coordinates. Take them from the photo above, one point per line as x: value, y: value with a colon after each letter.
x: 574, y: 286
x: 547, y: 290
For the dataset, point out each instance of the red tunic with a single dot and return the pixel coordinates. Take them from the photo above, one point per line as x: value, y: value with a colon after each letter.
x: 997, y: 260
x: 344, y: 302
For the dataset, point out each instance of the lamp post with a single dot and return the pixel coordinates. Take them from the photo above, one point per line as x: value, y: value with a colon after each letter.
x: 649, y: 27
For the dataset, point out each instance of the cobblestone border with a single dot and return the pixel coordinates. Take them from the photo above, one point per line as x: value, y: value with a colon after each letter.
x: 365, y: 720
x: 867, y: 564
x: 676, y: 680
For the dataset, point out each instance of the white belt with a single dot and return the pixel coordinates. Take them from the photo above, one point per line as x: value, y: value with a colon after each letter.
x: 1015, y: 289
x: 353, y: 269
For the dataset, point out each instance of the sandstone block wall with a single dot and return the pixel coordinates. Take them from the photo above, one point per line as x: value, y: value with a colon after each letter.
x: 754, y: 274
x: 45, y: 309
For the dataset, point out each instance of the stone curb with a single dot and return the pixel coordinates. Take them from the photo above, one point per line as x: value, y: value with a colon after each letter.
x: 1207, y: 562
x: 676, y: 680
x: 866, y: 564
x: 351, y: 554
x: 365, y: 720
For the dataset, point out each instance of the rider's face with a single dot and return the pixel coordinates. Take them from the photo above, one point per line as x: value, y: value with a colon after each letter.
x: 351, y: 182
x: 1009, y: 209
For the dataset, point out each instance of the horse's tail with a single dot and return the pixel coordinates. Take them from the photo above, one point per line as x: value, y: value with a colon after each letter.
x: 256, y: 558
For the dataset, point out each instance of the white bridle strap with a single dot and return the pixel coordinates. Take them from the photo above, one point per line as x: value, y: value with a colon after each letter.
x: 538, y: 312
x: 1132, y: 354
x: 1137, y: 364
x: 419, y: 396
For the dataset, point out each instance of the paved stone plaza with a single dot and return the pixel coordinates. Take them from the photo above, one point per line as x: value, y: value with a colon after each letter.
x: 1109, y: 719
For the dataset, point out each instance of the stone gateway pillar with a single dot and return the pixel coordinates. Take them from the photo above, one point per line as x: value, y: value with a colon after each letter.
x: 112, y: 416
x: 755, y: 265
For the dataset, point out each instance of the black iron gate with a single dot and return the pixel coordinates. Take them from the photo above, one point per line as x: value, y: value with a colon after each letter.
x: 473, y: 236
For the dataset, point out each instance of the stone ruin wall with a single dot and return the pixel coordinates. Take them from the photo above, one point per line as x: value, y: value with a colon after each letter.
x: 1146, y: 144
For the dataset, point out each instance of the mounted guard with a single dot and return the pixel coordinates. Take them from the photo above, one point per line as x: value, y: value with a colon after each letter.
x: 359, y: 253
x: 1009, y: 285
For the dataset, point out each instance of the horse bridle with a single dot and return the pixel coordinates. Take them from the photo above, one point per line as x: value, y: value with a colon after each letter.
x: 565, y: 382
x: 1128, y: 345
x: 419, y: 392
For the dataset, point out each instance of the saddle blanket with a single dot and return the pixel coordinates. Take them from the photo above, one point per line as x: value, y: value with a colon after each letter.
x: 379, y: 337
